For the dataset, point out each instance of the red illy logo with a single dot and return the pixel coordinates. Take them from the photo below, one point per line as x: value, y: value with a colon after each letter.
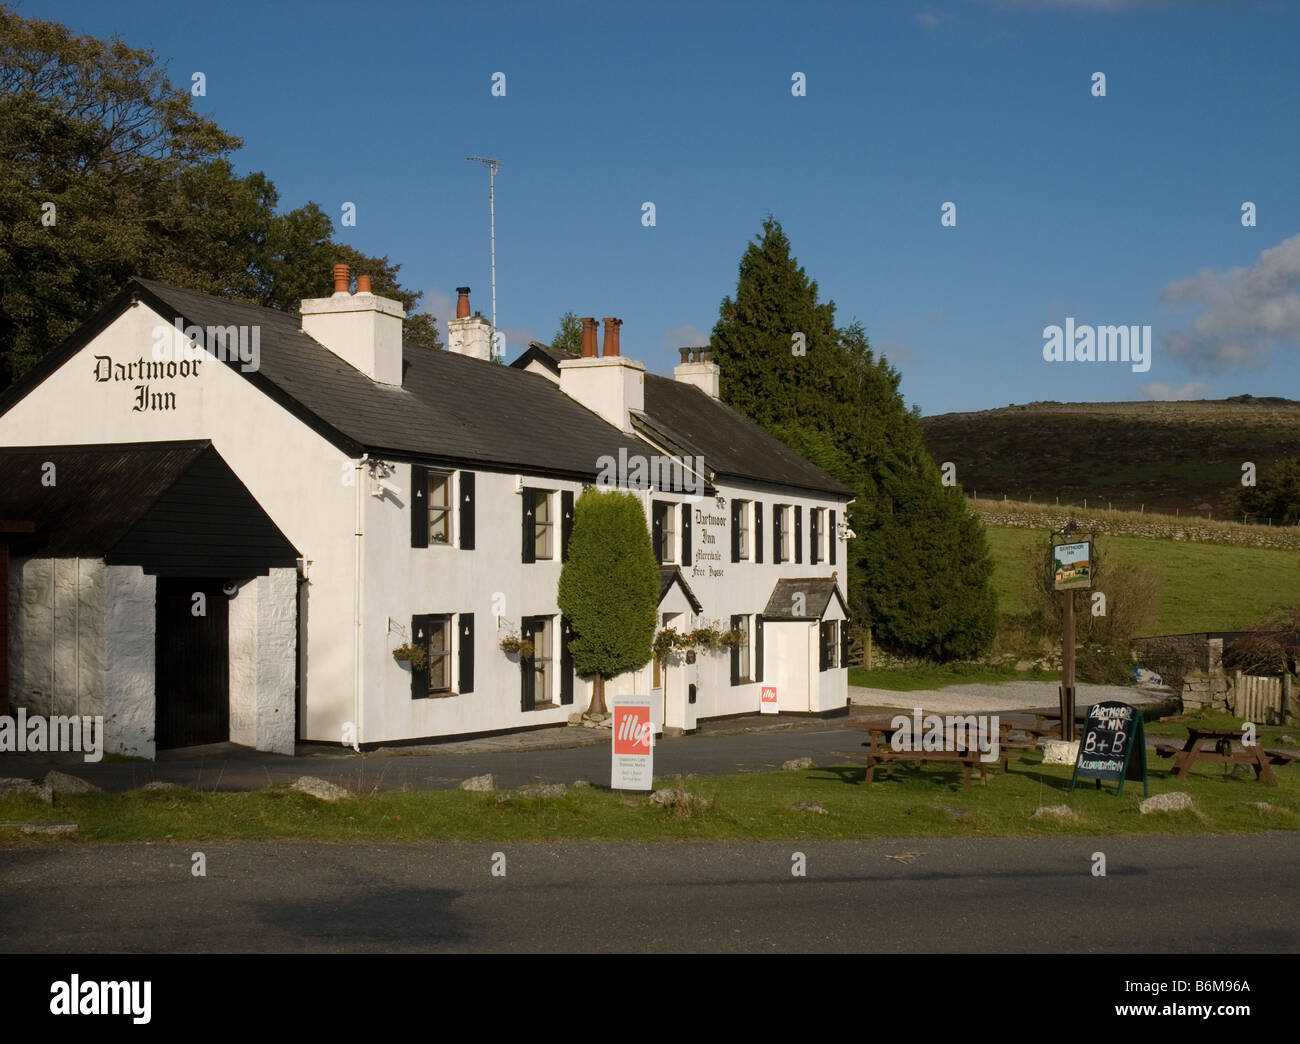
x: 632, y: 730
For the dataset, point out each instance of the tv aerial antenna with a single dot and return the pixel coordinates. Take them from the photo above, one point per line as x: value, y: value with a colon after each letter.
x: 493, y: 165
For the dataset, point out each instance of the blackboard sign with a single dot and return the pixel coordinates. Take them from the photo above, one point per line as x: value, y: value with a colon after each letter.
x: 1113, y: 746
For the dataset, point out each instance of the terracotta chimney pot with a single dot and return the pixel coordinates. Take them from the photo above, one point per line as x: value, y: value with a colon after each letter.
x: 341, y: 279
x: 462, y: 302
x: 589, y: 338
x: 363, y: 284
x: 611, y: 337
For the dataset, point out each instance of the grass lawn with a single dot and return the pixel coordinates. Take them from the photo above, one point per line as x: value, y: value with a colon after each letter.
x: 1205, y: 587
x: 755, y: 806
x: 937, y: 675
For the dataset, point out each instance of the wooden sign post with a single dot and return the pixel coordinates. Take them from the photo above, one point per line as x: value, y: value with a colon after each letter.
x: 1113, y: 747
x: 1072, y: 565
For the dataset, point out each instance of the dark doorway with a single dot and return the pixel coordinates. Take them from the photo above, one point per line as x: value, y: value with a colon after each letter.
x: 192, y: 663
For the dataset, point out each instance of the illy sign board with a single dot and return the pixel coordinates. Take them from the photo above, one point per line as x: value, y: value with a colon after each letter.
x: 767, y: 700
x: 632, y: 767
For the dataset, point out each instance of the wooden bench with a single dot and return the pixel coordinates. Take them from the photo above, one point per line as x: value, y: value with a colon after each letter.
x: 880, y: 752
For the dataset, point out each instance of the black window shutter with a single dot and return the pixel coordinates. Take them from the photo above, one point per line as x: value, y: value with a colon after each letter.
x: 825, y: 644
x: 778, y: 522
x: 758, y: 649
x: 735, y: 529
x: 419, y: 506
x: 420, y: 639
x: 814, y: 536
x: 735, y: 655
x: 758, y: 532
x: 658, y: 509
x: 566, y: 522
x: 566, y: 661
x: 527, y: 680
x: 465, y: 623
x: 686, y: 534
x: 798, y: 533
x: 844, y: 643
x: 529, y: 529
x: 467, y: 511
x: 831, y: 538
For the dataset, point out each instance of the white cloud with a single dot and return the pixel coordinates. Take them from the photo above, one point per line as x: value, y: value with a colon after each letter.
x: 931, y: 19
x: 896, y: 352
x: 1247, y: 311
x: 1168, y: 393
x: 517, y: 339
x: 685, y: 337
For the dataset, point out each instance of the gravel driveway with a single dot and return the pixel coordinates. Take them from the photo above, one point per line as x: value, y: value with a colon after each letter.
x: 1005, y: 696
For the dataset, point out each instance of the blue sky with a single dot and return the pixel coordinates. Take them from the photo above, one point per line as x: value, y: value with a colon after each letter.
x: 1122, y: 209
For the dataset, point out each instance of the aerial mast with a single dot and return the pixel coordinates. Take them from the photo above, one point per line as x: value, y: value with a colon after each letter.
x: 493, y: 165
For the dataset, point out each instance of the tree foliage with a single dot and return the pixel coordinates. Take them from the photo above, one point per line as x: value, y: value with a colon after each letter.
x: 1276, y: 495
x: 919, y: 567
x: 609, y: 585
x: 106, y: 171
x: 568, y: 338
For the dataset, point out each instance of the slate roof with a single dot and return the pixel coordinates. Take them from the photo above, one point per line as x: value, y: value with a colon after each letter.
x: 669, y: 575
x: 451, y: 409
x: 687, y: 420
x: 731, y: 445
x: 817, y: 592
x: 174, y: 508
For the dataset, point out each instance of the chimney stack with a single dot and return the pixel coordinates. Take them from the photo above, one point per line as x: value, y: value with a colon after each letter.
x: 589, y: 338
x: 362, y: 329
x: 611, y: 337
x: 698, y: 368
x: 610, y: 385
x: 469, y: 335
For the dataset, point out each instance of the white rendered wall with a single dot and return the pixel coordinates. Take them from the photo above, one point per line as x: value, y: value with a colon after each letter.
x: 300, y: 479
x: 130, y: 615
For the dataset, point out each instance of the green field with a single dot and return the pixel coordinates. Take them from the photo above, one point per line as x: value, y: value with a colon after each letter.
x: 1205, y: 587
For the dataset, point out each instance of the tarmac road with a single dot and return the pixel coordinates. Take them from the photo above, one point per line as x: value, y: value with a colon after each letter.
x: 1186, y: 894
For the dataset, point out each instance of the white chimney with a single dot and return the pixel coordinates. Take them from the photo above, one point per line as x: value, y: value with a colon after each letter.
x: 610, y: 386
x: 362, y: 329
x: 698, y: 368
x: 469, y: 334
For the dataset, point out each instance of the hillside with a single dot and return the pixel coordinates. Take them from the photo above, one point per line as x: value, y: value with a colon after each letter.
x: 1172, y: 457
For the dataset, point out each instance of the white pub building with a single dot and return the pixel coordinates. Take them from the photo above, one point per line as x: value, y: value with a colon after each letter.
x: 227, y: 543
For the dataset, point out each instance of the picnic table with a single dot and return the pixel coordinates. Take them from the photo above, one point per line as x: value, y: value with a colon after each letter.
x: 880, y: 751
x: 1216, y: 745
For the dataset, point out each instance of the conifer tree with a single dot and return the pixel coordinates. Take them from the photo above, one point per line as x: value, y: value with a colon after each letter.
x: 919, y: 568
x: 609, y: 588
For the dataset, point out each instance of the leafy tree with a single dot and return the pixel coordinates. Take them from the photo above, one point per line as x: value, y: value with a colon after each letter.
x: 568, y: 338
x: 919, y: 567
x: 609, y: 588
x: 1276, y: 496
x: 106, y: 171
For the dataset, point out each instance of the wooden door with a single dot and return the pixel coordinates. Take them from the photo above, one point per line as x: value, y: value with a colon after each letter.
x: 192, y: 664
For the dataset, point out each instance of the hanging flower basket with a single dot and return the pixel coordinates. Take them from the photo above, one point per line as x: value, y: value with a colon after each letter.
x: 512, y: 644
x: 706, y: 637
x: 412, y: 654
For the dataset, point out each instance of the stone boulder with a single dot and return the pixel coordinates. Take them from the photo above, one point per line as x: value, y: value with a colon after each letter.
x: 319, y: 788
x: 809, y: 806
x: 62, y: 783
x: 1178, y: 801
x: 543, y: 790
x: 1061, y: 813
x: 26, y: 787
x: 483, y: 782
x: 796, y: 764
